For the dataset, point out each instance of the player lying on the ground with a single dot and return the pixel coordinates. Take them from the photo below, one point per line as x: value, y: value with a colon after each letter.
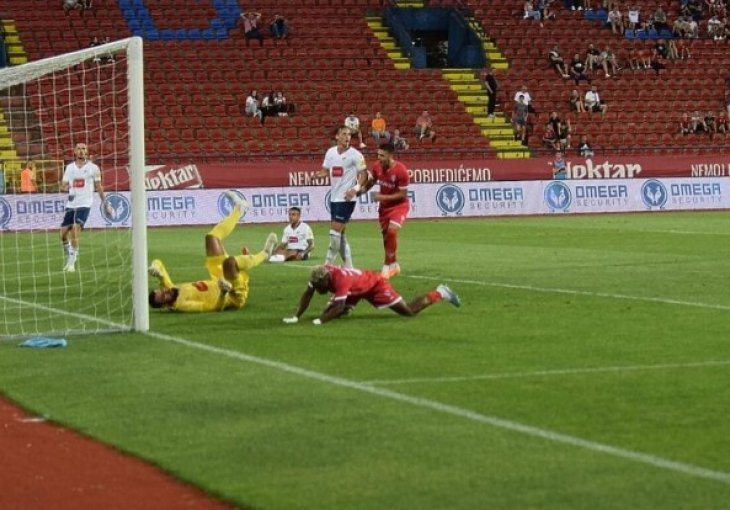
x: 297, y: 241
x: 348, y: 286
x: 227, y: 287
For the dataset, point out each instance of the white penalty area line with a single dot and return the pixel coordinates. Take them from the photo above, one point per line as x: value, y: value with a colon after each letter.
x: 423, y: 403
x: 549, y: 373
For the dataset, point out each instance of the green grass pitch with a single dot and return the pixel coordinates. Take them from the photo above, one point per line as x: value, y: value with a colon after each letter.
x: 589, y: 367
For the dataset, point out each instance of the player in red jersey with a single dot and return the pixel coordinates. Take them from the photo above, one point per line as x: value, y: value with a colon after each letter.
x: 348, y: 286
x: 392, y: 176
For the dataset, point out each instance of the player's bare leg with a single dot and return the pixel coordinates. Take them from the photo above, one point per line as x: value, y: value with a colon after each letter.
x: 422, y: 302
x: 337, y: 231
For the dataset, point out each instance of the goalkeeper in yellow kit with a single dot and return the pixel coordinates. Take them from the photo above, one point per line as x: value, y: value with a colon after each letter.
x: 227, y: 287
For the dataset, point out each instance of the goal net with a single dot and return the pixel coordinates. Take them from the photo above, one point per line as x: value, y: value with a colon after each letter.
x: 47, y: 107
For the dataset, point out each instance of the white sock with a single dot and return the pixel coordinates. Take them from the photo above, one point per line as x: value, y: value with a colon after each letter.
x: 276, y: 258
x: 346, y: 253
x: 334, y: 248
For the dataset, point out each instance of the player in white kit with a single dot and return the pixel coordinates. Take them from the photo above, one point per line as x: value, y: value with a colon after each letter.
x: 347, y: 171
x: 81, y: 178
x: 298, y: 240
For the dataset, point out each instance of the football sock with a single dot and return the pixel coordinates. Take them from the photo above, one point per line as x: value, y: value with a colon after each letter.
x: 390, y: 242
x: 224, y: 228
x: 346, y: 252
x: 434, y: 296
x: 246, y: 262
x: 334, y: 248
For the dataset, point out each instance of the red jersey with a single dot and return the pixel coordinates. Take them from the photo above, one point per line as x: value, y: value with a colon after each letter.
x: 346, y: 282
x: 391, y: 181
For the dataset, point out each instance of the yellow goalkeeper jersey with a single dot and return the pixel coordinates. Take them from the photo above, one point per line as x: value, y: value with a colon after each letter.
x: 200, y: 296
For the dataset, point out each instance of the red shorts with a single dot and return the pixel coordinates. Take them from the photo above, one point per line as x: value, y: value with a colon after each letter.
x: 395, y: 214
x: 382, y: 295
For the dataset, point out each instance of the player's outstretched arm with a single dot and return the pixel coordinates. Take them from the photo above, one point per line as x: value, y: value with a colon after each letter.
x: 303, y: 305
x: 334, y: 310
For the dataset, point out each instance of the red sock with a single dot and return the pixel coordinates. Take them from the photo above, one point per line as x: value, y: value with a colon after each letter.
x: 434, y: 296
x: 390, y: 242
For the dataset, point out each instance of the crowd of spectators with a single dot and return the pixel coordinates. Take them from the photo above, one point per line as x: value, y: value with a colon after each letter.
x: 251, y: 24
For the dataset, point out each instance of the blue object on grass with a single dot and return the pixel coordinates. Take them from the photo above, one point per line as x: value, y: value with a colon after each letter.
x: 41, y: 341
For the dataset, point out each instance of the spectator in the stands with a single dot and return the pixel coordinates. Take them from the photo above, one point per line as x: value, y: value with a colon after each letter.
x: 694, y: 9
x: 424, y: 127
x: 400, y: 143
x: 609, y: 61
x: 584, y: 148
x: 660, y: 19
x: 722, y: 123
x: 378, y: 129
x: 576, y: 102
x: 727, y: 101
x: 564, y: 134
x: 251, y: 30
x: 633, y: 18
x: 73, y: 5
x: 282, y: 107
x: 519, y: 119
x: 554, y: 121
x: 578, y: 70
x: 593, y: 101
x: 681, y: 49
x: 593, y: 57
x: 657, y: 61
x: 546, y: 11
x: 268, y: 108
x: 252, y: 108
x: 28, y: 178
x: 685, y: 126
x: 715, y: 28
x: 697, y: 121
x: 616, y: 20
x: 556, y: 60
x: 525, y: 94
x: 279, y: 27
x: 353, y: 123
x: 710, y: 124
x: 550, y: 138
x: 529, y: 10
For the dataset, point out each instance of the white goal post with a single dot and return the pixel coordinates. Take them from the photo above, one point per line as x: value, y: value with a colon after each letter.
x: 93, y: 96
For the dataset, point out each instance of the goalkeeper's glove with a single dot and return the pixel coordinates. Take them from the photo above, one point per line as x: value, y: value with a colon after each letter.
x: 153, y: 271
x: 290, y: 320
x: 224, y: 285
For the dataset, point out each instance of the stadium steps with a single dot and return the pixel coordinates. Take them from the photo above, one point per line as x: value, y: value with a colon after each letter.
x: 382, y: 34
x: 16, y: 51
x: 494, y: 56
x: 473, y: 95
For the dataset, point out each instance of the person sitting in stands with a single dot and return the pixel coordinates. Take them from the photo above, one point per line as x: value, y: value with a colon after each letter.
x: 424, y: 127
x: 250, y: 27
x: 378, y: 130
x: 279, y: 27
x: 584, y: 148
x: 685, y: 126
x: 556, y: 60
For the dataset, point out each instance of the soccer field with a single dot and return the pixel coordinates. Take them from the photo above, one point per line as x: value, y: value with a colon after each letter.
x: 588, y: 367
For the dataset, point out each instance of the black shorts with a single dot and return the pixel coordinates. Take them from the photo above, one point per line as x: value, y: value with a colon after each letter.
x: 341, y: 212
x: 75, y: 216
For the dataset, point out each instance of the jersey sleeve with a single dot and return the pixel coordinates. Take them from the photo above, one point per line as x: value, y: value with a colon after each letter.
x: 360, y: 162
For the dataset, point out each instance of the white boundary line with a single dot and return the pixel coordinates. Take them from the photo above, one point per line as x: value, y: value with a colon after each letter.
x: 547, y: 373
x: 556, y: 437
x: 554, y: 290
